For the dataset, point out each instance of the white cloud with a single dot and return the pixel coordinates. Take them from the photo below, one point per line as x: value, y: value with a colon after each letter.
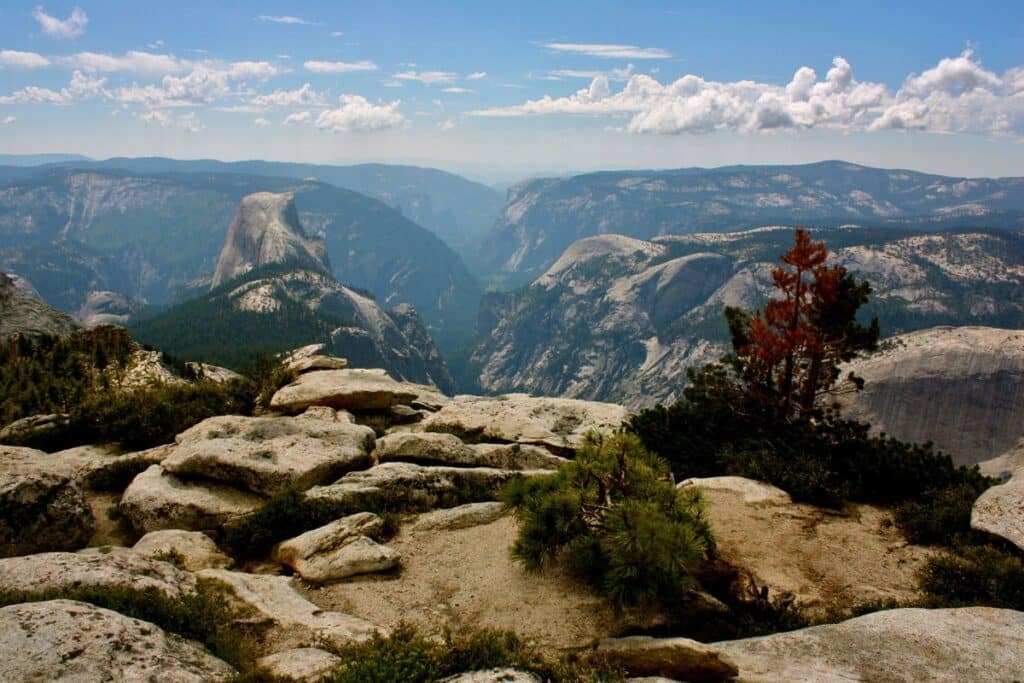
x: 260, y: 123
x: 252, y: 70
x: 337, y: 34
x: 33, y: 95
x: 22, y: 60
x: 81, y: 87
x: 426, y: 77
x: 145, y: 63
x: 446, y: 125
x: 339, y: 67
x: 298, y: 118
x: 304, y: 96
x: 956, y: 96
x: 477, y: 76
x: 613, y: 74
x: 72, y: 27
x: 459, y: 90
x: 285, y: 19
x: 609, y: 50
x: 155, y: 45
x: 187, y: 122
x: 8, y: 119
x: 357, y: 114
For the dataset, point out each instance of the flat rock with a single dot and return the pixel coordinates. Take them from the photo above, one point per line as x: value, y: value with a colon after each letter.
x: 419, y: 486
x: 1000, y: 510
x: 494, y: 676
x: 294, y: 621
x: 64, y: 640
x: 315, y: 362
x: 268, y: 455
x: 751, y: 491
x: 448, y: 449
x: 559, y: 423
x: 337, y: 550
x: 303, y: 664
x: 42, y: 505
x: 351, y: 389
x: 679, y: 658
x: 460, y: 517
x: 159, y: 500
x: 966, y: 644
x: 196, y: 550
x: 34, y: 429
x: 106, y: 567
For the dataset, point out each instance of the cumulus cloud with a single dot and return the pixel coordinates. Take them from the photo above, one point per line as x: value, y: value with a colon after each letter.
x: 339, y: 67
x: 285, y: 19
x: 609, y: 50
x: 298, y: 118
x: 22, y: 60
x: 956, y: 96
x: 80, y: 87
x: 187, y: 122
x: 426, y: 77
x: 144, y: 63
x: 357, y: 114
x: 304, y: 96
x: 446, y: 125
x: 477, y: 76
x: 260, y: 123
x: 613, y: 74
x: 72, y: 27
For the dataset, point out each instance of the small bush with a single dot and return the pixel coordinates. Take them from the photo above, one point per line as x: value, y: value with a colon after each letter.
x: 975, y: 575
x: 116, y: 476
x: 942, y: 518
x: 408, y: 656
x: 615, y: 517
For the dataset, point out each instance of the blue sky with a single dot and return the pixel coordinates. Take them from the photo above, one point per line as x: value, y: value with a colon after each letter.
x: 502, y: 90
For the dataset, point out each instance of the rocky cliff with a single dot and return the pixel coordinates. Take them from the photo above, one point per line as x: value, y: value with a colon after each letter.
x: 542, y: 217
x: 620, y: 319
x: 266, y: 230
x: 21, y: 312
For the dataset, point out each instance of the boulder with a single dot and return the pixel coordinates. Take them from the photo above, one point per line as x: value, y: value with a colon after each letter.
x: 159, y: 500
x: 325, y: 413
x: 42, y: 507
x: 517, y: 456
x: 315, y: 362
x: 459, y: 517
x: 106, y: 567
x: 1000, y: 510
x: 419, y: 486
x: 494, y: 676
x: 678, y: 658
x: 559, y: 423
x: 65, y: 640
x: 303, y: 664
x: 268, y: 455
x: 752, y: 492
x: 194, y: 549
x: 293, y: 621
x: 349, y: 389
x: 100, y: 467
x: 337, y: 550
x: 448, y: 449
x: 34, y: 429
x: 966, y: 644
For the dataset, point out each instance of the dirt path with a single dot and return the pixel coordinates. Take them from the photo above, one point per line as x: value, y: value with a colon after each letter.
x: 466, y: 578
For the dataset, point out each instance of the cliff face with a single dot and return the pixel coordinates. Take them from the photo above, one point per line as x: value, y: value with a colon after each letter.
x: 23, y: 313
x: 265, y: 230
x: 620, y: 319
x: 960, y: 387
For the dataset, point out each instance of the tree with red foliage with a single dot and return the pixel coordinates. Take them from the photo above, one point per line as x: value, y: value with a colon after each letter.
x: 789, y: 354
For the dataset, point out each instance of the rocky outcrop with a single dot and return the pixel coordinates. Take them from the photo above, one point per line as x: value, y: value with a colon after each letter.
x: 303, y: 664
x: 191, y: 550
x: 338, y: 550
x: 107, y: 308
x: 750, y: 491
x: 347, y: 389
x: 268, y: 455
x: 292, y: 620
x: 23, y: 313
x: 264, y: 231
x: 558, y: 423
x: 106, y: 567
x: 42, y: 505
x: 967, y: 644
x: 494, y: 676
x: 1000, y: 510
x: 960, y: 387
x: 34, y: 429
x: 74, y: 641
x: 158, y: 500
x: 674, y: 658
x: 448, y: 449
x: 460, y: 516
x: 309, y: 358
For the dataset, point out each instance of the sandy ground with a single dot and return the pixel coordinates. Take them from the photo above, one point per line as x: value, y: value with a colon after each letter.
x: 108, y: 531
x: 466, y: 577
x: 825, y: 559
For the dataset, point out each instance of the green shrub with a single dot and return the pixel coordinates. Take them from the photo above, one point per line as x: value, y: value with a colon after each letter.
x: 203, y: 615
x: 614, y: 516
x: 408, y: 656
x: 117, y: 475
x: 975, y: 575
x: 942, y: 518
